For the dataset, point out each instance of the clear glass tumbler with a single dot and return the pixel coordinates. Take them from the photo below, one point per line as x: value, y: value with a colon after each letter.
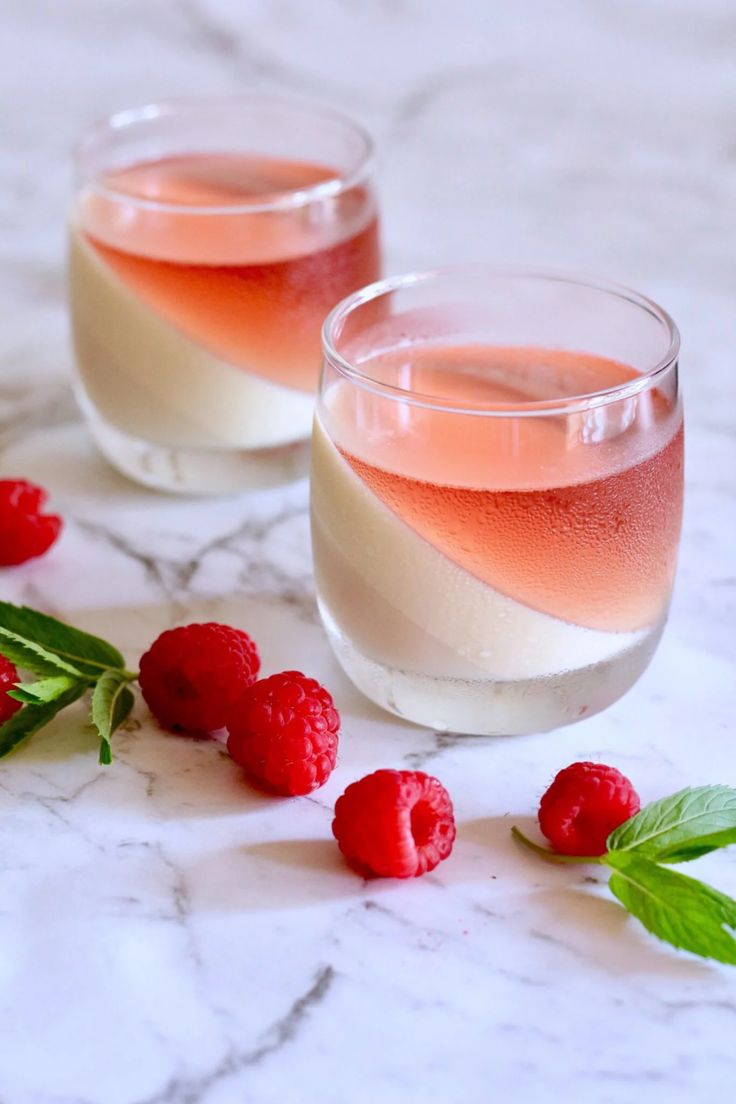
x: 497, y: 474
x: 208, y: 239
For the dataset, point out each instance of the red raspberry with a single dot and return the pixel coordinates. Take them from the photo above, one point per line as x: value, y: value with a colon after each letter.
x: 283, y: 730
x: 395, y: 824
x: 8, y: 679
x: 583, y: 805
x: 24, y: 531
x: 191, y: 676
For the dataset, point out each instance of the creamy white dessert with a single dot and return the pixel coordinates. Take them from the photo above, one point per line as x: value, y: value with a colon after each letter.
x: 410, y: 624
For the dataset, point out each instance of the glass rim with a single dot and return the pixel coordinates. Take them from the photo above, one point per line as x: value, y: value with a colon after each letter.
x: 181, y: 105
x: 566, y: 405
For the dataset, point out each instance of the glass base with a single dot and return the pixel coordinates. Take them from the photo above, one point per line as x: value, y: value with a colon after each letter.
x: 198, y: 471
x: 488, y: 707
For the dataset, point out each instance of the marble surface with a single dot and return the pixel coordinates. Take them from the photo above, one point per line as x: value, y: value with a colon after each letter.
x: 166, y: 935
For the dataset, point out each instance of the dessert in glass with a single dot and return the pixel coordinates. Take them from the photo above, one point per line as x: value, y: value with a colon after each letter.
x: 208, y: 239
x: 497, y: 473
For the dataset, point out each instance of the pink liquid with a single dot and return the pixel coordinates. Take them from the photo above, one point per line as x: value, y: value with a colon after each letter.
x: 586, y: 532
x: 252, y: 286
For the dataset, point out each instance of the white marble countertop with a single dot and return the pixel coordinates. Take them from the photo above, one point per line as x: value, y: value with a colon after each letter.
x: 166, y: 935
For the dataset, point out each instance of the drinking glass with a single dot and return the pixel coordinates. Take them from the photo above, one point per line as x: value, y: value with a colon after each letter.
x: 208, y: 239
x: 496, y: 494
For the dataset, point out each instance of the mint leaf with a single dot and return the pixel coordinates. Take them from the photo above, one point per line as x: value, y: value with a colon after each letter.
x: 682, y: 827
x: 32, y: 656
x: 47, y: 690
x: 88, y: 653
x: 680, y: 910
x: 112, y: 701
x: 33, y: 717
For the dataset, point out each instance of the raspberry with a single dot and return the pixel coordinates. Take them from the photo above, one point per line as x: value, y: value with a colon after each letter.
x: 283, y: 730
x: 583, y: 805
x: 395, y: 824
x: 8, y: 679
x: 191, y: 676
x: 24, y: 531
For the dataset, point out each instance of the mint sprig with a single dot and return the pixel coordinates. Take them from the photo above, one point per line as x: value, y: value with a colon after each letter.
x: 678, y: 909
x: 69, y: 662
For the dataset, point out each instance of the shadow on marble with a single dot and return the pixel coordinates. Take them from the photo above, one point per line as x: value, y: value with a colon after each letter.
x: 185, y: 777
x: 154, y: 772
x: 494, y: 831
x: 304, y: 854
x: 598, y: 931
x: 274, y: 874
x: 582, y: 921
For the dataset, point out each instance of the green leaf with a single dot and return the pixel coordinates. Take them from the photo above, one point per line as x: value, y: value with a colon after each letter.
x: 89, y: 653
x: 32, y: 656
x: 681, y: 827
x: 680, y: 910
x: 112, y: 701
x: 33, y: 717
x: 47, y: 690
